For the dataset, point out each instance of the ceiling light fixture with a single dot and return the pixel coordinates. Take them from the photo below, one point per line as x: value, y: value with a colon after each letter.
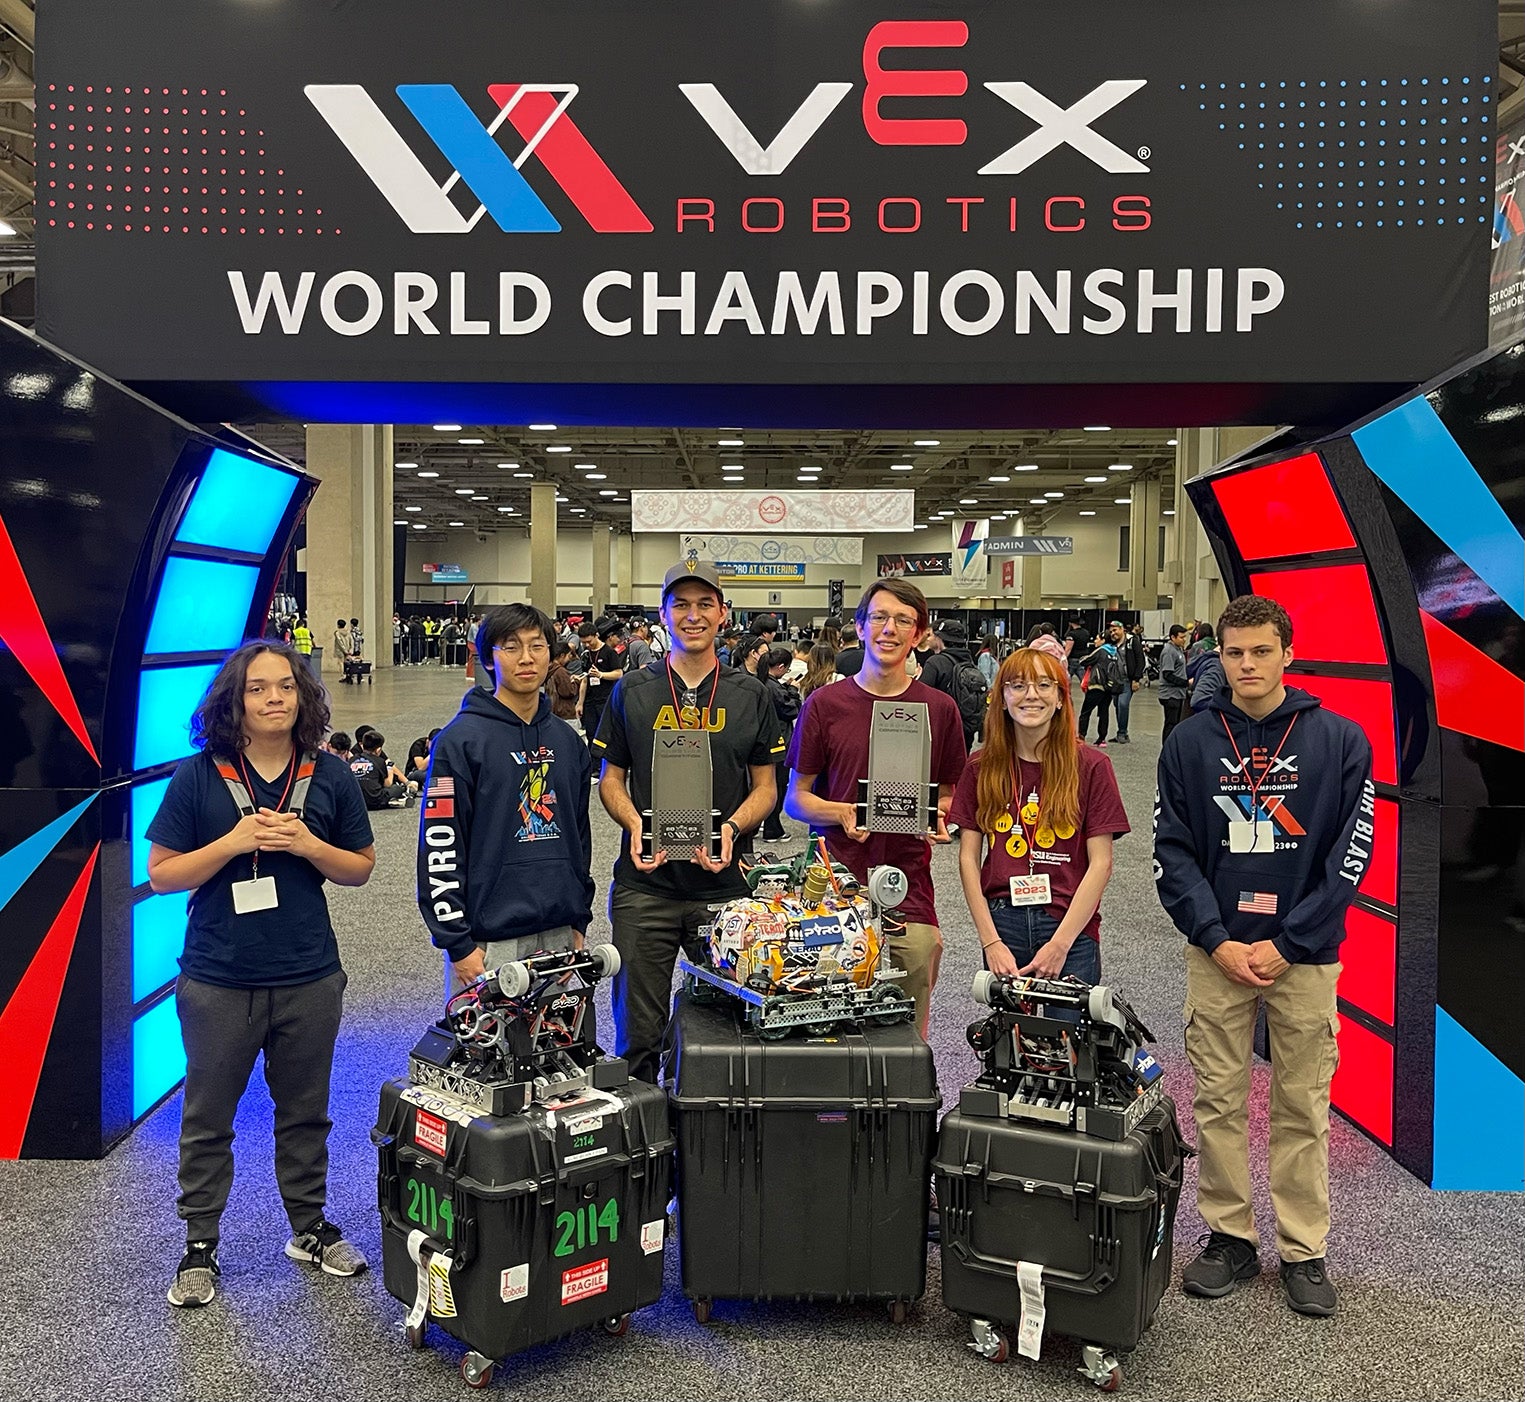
x: 598, y: 477
x: 404, y: 466
x: 524, y: 474
x: 464, y: 491
x: 1087, y: 513
x: 1171, y: 442
x: 447, y: 428
x: 968, y: 501
x: 1167, y: 513
x: 902, y: 467
x: 1025, y: 467
x: 730, y: 443
x: 1121, y: 467
x: 998, y: 479
x: 1122, y: 501
x: 455, y: 523
x: 1037, y: 501
x: 562, y: 498
x: 506, y: 465
x: 730, y: 467
x: 1053, y: 496
x: 471, y: 442
x: 609, y: 492
x: 478, y: 498
x: 542, y: 428
x: 558, y: 448
x: 586, y: 466
x: 505, y: 509
x: 1096, y: 479
x: 412, y: 508
x: 428, y: 474
x: 1096, y: 428
x: 399, y: 523
x: 927, y: 442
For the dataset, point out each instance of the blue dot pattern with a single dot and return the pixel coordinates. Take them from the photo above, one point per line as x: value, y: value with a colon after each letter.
x: 1363, y: 153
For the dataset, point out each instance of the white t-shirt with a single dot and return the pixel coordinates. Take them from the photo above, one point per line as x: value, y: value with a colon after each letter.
x: 797, y: 669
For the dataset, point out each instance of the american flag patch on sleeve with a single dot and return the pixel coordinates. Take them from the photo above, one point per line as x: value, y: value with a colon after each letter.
x: 1258, y: 902
x: 439, y: 801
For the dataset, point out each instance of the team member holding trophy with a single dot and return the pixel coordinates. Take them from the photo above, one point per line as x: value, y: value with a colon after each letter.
x: 688, y: 750
x: 875, y: 760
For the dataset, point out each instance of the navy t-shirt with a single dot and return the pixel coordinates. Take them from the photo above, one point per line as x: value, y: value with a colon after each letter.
x: 294, y: 943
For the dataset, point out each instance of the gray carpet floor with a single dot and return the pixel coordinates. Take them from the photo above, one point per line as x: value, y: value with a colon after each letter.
x: 1432, y: 1285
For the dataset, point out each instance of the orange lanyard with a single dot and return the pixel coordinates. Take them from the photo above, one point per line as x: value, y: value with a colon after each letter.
x: 677, y: 709
x: 1245, y: 768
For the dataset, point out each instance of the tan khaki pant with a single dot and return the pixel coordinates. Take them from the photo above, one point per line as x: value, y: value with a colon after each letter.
x: 918, y: 949
x: 1220, y: 1028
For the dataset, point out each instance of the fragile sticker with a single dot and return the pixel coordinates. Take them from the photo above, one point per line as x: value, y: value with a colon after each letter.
x: 581, y: 1282
x: 429, y: 1132
x: 514, y: 1283
x: 652, y: 1235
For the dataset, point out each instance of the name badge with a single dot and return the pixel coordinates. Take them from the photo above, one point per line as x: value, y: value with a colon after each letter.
x: 258, y: 894
x: 1257, y: 837
x: 1030, y: 890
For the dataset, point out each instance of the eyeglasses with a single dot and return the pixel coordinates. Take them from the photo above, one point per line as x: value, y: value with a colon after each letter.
x: 514, y: 649
x: 901, y: 622
x: 1043, y: 688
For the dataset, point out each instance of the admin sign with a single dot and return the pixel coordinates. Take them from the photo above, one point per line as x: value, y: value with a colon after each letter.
x: 766, y: 192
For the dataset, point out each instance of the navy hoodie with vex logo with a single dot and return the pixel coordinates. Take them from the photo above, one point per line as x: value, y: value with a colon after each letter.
x: 1311, y: 772
x: 504, y: 846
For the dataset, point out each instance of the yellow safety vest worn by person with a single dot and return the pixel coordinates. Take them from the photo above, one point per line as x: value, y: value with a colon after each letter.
x: 301, y: 637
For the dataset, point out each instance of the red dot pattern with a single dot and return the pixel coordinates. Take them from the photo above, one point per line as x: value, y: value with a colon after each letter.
x: 163, y: 161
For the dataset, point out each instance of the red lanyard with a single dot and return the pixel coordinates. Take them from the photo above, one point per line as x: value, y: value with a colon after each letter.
x: 1245, y: 768
x: 291, y: 775
x: 677, y: 710
x: 1029, y: 838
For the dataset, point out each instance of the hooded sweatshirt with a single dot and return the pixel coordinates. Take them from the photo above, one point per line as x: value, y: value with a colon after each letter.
x: 504, y: 846
x: 1312, y: 774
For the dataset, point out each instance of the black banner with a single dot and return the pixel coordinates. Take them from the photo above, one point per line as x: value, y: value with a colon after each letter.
x: 1506, y: 297
x: 895, y: 566
x: 1220, y: 191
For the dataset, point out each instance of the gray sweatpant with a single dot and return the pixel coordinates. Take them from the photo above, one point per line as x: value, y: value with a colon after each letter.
x: 224, y: 1029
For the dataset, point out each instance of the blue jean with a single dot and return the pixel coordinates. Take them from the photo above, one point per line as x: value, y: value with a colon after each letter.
x: 1122, y: 701
x: 1025, y: 929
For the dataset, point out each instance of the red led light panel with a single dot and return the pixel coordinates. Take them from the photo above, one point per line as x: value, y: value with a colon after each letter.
x: 1363, y: 1084
x: 1369, y: 705
x: 1381, y: 880
x: 1284, y: 508
x: 1369, y: 954
x: 1334, y: 617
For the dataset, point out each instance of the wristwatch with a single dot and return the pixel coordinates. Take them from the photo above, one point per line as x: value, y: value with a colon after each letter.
x: 735, y: 828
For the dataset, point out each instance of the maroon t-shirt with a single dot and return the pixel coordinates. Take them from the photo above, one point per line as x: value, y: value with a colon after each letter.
x: 1041, y: 850
x: 831, y: 740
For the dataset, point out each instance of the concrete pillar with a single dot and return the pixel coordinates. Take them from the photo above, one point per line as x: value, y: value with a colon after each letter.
x: 1032, y: 574
x: 349, y: 537
x: 602, y: 536
x: 543, y: 546
x: 1144, y: 544
x: 624, y: 568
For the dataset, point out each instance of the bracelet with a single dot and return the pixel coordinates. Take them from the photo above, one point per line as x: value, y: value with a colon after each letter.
x: 735, y: 828
x: 991, y: 945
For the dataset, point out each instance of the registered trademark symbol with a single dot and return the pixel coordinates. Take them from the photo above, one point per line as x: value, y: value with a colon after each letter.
x: 1143, y: 153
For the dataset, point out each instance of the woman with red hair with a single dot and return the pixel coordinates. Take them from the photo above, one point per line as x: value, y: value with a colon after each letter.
x: 1038, y: 809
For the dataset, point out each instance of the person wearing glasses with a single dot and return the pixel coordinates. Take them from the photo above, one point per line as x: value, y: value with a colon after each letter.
x: 658, y: 903
x: 505, y: 852
x: 1038, y: 810
x: 829, y: 755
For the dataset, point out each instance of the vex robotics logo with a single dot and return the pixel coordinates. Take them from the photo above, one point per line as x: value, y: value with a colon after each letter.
x: 537, y: 112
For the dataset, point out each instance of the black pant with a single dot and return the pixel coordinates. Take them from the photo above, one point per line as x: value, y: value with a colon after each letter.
x: 1175, y: 711
x: 224, y: 1029
x: 1101, y: 703
x: 648, y: 932
x: 773, y: 828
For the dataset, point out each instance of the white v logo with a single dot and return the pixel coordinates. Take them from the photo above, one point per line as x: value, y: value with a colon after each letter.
x: 753, y: 157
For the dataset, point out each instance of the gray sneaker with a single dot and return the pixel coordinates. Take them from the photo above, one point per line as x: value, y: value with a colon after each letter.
x: 1224, y: 1262
x: 1309, y: 1289
x: 195, y: 1281
x: 324, y: 1246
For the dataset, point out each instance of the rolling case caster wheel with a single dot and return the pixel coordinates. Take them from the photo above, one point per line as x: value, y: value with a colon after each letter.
x: 898, y: 1310
x: 702, y: 1310
x: 616, y: 1326
x: 1101, y: 1367
x: 414, y: 1334
x: 476, y: 1370
x: 989, y: 1340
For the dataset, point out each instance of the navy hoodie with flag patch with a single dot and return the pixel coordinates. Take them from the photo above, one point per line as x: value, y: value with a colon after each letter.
x: 1311, y: 771
x: 504, y: 846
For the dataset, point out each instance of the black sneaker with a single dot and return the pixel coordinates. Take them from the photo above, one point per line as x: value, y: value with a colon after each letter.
x: 195, y: 1281
x: 1309, y: 1289
x: 1224, y: 1262
x: 325, y: 1247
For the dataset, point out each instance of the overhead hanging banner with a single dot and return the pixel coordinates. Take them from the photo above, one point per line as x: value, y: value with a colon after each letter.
x: 758, y: 571
x: 898, y: 566
x: 1506, y: 297
x: 971, y: 566
x: 806, y: 550
x: 765, y: 192
x: 1030, y: 545
x: 807, y: 512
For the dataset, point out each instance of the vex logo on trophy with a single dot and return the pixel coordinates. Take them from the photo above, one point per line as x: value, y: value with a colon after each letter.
x: 898, y: 795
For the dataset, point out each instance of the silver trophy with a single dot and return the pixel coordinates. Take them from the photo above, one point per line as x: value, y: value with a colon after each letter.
x: 681, y: 816
x: 898, y: 795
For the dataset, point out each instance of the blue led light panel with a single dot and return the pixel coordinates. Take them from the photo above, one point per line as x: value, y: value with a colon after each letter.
x: 167, y: 699
x: 158, y: 1056
x: 237, y: 505
x: 203, y: 606
x: 158, y: 936
x: 146, y: 799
